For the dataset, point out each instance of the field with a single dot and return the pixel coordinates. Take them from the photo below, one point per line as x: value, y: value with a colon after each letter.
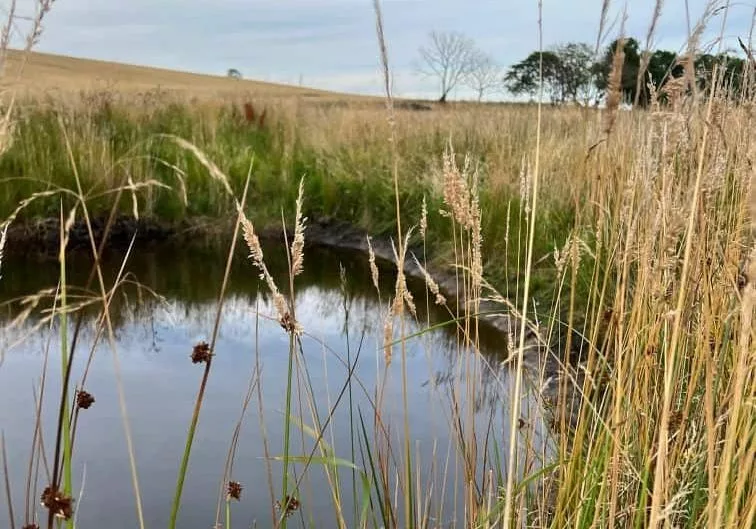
x: 623, y: 240
x: 45, y: 74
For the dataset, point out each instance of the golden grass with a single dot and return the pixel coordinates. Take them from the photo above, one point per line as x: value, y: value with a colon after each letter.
x: 657, y: 256
x: 45, y: 74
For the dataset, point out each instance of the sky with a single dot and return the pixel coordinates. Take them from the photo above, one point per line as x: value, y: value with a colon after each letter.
x: 332, y: 44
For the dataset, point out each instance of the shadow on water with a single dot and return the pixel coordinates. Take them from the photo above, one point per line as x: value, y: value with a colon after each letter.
x: 154, y: 339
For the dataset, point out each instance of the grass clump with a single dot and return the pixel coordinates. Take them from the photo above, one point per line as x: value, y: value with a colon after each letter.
x: 618, y: 249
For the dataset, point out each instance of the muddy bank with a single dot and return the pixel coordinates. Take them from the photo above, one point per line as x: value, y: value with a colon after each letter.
x: 42, y: 238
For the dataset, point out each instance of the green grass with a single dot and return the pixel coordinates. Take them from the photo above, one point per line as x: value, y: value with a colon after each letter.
x: 637, y: 245
x: 112, y: 142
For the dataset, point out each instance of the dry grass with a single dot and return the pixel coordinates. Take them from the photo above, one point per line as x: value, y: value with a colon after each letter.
x: 48, y: 74
x: 627, y: 264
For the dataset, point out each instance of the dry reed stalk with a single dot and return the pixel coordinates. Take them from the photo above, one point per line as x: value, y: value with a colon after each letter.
x: 3, y: 240
x: 614, y: 89
x: 103, y: 292
x: 6, y: 481
x: 508, y: 517
x: 646, y: 55
x: 605, y: 4
x: 215, y: 173
x: 398, y: 303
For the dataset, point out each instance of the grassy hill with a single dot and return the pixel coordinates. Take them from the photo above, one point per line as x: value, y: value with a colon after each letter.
x: 46, y: 73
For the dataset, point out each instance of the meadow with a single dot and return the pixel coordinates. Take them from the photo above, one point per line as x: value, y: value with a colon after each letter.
x: 623, y: 240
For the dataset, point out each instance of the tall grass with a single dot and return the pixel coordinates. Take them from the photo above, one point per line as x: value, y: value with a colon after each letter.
x: 616, y: 250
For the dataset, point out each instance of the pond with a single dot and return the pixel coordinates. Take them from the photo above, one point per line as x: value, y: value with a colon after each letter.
x: 166, y: 306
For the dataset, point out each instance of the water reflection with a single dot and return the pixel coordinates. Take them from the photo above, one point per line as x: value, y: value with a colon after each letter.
x: 154, y: 336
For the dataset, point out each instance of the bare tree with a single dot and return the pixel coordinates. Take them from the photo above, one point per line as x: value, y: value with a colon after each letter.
x: 484, y: 75
x: 448, y: 57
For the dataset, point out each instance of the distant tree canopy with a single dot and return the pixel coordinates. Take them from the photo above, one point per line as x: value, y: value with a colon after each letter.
x: 570, y: 73
x: 233, y: 73
x: 567, y: 72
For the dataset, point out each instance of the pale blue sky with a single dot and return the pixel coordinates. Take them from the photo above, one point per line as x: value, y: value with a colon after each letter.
x: 331, y: 43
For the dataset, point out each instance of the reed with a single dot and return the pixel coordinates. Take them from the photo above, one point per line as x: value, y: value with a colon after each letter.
x: 615, y: 249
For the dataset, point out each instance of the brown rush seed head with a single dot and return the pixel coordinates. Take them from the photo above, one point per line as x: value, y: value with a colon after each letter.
x: 289, y: 324
x: 58, y: 502
x: 30, y: 526
x: 84, y: 399
x: 291, y: 503
x: 234, y: 490
x: 201, y: 353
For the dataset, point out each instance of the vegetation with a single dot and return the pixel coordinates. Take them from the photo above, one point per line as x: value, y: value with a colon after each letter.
x: 619, y: 246
x: 453, y: 60
x: 233, y: 73
x: 347, y: 176
x: 571, y: 73
x: 567, y: 74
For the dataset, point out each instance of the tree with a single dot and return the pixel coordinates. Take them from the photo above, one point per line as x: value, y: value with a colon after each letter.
x: 663, y: 65
x: 566, y: 73
x: 731, y: 71
x: 525, y: 76
x: 575, y: 71
x: 484, y: 75
x: 233, y: 73
x: 448, y: 57
x: 630, y: 68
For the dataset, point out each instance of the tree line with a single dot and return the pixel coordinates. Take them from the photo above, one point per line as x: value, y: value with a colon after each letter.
x: 572, y: 72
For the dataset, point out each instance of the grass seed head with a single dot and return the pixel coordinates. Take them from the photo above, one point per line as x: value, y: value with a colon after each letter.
x: 423, y: 219
x: 388, y: 334
x: 431, y: 283
x: 297, y: 245
x: 373, y: 266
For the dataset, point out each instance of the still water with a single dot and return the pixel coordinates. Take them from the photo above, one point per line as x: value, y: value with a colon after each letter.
x: 156, y: 325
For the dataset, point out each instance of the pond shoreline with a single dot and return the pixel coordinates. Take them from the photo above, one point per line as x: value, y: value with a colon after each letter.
x: 41, y: 237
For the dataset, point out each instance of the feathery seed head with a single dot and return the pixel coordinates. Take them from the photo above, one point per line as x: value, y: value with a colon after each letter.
x: 388, y: 334
x: 256, y: 253
x: 423, y: 219
x: 431, y: 283
x: 297, y: 245
x: 373, y: 266
x: 402, y: 293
